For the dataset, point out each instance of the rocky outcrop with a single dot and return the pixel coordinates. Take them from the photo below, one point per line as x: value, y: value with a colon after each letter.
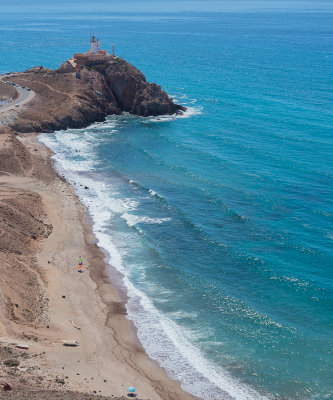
x: 133, y: 93
x: 62, y: 101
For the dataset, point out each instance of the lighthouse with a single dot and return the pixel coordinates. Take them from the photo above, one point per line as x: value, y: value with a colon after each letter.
x: 94, y: 45
x: 94, y: 56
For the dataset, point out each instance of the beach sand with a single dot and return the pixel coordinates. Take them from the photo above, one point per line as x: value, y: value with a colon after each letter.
x: 43, y: 232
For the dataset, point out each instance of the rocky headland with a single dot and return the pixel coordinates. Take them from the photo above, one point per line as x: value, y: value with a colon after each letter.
x: 62, y: 101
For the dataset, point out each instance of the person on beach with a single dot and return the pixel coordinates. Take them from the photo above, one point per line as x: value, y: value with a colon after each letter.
x: 80, y: 264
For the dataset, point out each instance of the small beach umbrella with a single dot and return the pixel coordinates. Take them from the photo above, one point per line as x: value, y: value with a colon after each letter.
x: 131, y: 389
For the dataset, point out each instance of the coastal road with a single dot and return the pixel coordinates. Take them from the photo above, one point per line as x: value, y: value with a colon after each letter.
x: 25, y: 96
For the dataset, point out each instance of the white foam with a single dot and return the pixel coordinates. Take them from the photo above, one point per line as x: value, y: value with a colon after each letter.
x: 108, y: 125
x: 132, y: 219
x: 165, y: 342
x: 155, y: 194
x: 190, y: 112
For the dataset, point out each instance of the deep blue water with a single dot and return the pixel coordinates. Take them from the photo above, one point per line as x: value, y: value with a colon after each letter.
x: 221, y: 221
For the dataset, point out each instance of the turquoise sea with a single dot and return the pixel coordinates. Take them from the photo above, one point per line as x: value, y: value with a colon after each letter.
x: 221, y: 220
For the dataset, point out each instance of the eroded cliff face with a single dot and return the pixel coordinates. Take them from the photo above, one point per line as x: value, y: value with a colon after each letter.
x: 133, y: 93
x: 62, y: 101
x: 23, y: 227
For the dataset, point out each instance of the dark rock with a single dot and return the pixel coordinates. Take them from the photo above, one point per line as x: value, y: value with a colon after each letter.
x: 60, y: 380
x: 63, y: 296
x: 86, y: 187
x: 7, y: 387
x: 134, y: 94
x: 11, y: 362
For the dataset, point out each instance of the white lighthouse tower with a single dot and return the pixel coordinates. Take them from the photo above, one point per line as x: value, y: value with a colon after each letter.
x: 94, y: 45
x: 94, y: 56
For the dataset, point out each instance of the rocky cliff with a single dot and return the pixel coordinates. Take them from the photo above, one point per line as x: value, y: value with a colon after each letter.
x: 63, y: 101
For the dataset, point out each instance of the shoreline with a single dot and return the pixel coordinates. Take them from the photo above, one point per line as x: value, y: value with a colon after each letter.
x: 91, y: 301
x: 149, y: 332
x: 110, y: 295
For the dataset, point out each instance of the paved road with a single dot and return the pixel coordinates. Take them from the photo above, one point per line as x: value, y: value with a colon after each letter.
x: 24, y: 96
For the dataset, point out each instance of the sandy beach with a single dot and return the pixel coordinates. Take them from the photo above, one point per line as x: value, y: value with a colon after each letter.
x: 43, y: 296
x: 44, y: 230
